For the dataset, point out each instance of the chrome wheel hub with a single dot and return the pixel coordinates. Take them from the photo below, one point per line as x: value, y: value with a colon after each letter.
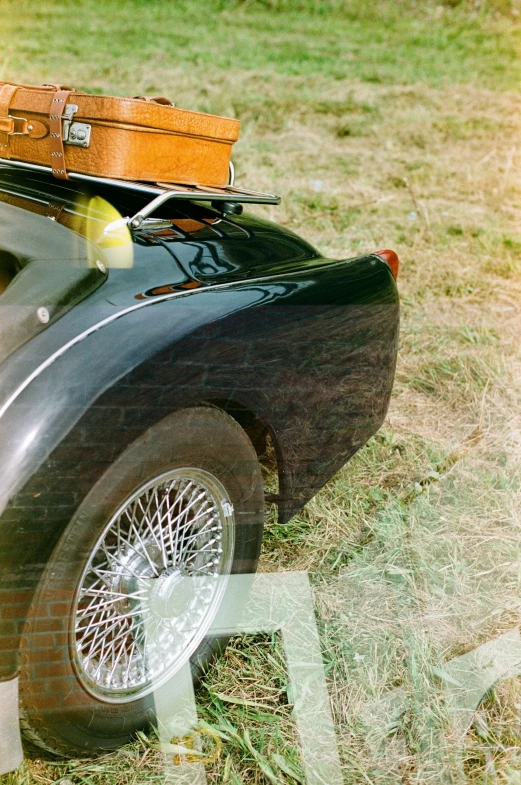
x: 172, y: 594
x: 152, y: 584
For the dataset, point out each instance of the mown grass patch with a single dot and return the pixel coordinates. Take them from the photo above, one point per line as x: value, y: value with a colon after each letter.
x: 395, y: 43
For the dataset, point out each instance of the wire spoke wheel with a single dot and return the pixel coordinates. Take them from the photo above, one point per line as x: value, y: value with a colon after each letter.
x: 152, y: 584
x: 131, y: 590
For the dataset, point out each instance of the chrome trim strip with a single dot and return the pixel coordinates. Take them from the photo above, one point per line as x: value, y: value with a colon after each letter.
x: 109, y: 319
x: 78, y: 339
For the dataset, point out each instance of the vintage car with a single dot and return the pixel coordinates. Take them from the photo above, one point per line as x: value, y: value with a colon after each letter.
x: 154, y: 343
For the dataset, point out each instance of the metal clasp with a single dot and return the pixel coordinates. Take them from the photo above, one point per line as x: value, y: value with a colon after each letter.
x: 16, y: 120
x: 75, y: 134
x: 68, y: 113
x: 79, y: 134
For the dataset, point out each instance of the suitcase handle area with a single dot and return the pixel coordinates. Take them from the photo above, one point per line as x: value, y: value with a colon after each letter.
x: 59, y: 87
x: 158, y: 99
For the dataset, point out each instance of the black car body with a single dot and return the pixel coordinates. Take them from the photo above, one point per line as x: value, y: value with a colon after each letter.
x: 106, y: 332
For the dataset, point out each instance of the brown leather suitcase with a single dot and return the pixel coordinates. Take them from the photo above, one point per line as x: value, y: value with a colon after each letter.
x: 121, y: 138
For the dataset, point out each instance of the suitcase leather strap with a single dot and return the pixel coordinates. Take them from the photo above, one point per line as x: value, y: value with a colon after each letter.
x: 13, y: 125
x: 8, y: 123
x: 58, y: 103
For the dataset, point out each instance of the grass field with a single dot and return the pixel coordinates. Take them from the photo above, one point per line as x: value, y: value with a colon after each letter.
x: 390, y: 124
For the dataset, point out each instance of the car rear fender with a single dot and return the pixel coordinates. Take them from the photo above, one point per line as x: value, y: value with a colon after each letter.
x: 311, y: 355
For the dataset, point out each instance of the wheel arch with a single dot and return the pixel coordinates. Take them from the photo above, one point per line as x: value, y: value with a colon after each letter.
x: 262, y: 435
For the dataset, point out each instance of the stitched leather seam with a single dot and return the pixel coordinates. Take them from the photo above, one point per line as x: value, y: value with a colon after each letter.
x: 57, y: 109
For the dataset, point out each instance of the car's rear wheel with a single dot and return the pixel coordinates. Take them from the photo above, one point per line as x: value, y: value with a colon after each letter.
x: 135, y: 581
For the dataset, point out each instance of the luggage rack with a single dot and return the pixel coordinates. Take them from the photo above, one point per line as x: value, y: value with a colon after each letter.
x: 228, y: 198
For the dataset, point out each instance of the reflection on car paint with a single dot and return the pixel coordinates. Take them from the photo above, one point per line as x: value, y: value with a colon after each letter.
x: 239, y: 315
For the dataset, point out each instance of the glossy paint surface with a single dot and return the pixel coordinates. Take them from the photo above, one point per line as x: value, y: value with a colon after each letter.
x: 237, y: 313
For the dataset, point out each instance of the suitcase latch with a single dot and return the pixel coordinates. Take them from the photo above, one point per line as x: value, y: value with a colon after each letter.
x: 79, y: 134
x: 76, y: 134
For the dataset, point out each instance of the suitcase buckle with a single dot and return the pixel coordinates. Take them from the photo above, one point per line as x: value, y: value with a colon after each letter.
x: 18, y: 123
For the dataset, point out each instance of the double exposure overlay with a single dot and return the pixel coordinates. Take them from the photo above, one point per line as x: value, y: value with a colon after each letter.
x: 259, y: 478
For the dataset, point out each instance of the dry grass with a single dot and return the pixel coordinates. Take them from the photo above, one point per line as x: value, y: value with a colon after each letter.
x: 413, y: 549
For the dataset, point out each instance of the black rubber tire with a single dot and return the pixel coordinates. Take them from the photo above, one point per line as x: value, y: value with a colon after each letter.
x: 57, y: 714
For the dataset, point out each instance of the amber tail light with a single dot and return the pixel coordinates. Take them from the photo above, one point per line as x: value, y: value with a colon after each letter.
x: 392, y: 260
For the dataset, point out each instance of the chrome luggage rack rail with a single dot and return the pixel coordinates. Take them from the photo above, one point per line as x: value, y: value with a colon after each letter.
x: 163, y: 192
